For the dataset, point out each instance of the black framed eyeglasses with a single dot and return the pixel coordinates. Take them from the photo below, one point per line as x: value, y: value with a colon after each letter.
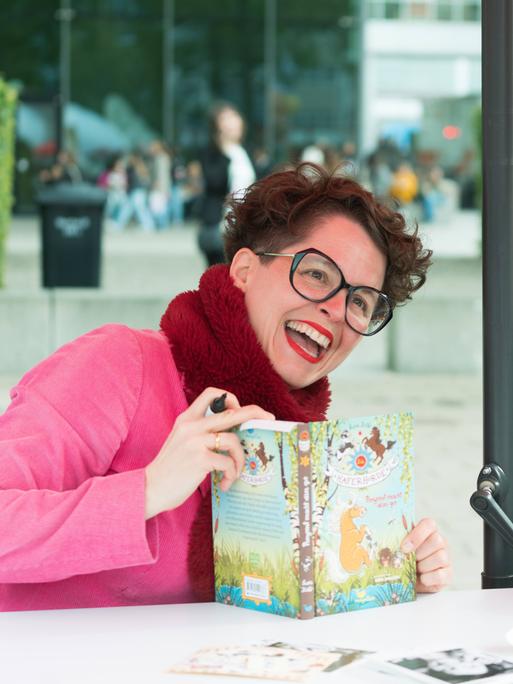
x: 317, y: 278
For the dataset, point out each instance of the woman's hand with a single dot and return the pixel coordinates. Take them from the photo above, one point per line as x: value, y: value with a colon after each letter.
x: 191, y: 451
x: 434, y: 570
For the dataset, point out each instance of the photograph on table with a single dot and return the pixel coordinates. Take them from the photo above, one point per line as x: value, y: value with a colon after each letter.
x: 456, y: 665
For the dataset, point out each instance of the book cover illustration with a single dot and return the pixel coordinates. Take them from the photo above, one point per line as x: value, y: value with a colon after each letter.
x: 314, y: 524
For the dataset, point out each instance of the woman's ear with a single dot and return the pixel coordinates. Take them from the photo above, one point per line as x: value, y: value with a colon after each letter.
x: 242, y: 267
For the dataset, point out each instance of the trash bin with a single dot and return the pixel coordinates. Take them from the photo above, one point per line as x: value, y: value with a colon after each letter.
x: 71, y: 228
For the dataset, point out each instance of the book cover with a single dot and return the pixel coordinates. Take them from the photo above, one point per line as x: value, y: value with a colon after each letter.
x: 314, y: 524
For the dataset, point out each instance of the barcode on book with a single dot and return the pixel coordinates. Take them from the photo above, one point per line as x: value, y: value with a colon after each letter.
x: 256, y: 588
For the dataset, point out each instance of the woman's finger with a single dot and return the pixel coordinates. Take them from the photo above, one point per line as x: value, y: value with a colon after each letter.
x: 430, y: 546
x: 230, y: 443
x: 199, y: 406
x: 226, y: 420
x: 434, y: 580
x: 435, y: 561
x: 416, y: 538
x: 222, y: 463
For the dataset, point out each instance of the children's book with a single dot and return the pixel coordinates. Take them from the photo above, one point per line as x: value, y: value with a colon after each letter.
x: 314, y: 524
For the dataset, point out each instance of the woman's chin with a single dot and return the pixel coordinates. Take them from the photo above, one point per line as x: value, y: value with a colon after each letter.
x: 296, y: 371
x: 296, y: 378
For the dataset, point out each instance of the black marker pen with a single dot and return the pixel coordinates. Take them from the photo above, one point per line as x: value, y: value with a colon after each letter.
x: 218, y: 405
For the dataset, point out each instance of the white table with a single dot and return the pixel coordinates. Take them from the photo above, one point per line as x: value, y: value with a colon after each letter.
x: 129, y: 645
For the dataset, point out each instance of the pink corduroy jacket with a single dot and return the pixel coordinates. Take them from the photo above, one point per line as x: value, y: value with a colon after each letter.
x: 74, y: 442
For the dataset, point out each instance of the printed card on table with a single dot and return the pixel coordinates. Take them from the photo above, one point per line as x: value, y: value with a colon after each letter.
x: 263, y: 662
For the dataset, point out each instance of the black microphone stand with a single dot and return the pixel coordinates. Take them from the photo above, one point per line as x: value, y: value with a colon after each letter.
x: 493, y: 500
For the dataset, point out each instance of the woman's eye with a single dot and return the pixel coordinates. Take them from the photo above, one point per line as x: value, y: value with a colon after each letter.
x: 360, y: 303
x: 317, y: 275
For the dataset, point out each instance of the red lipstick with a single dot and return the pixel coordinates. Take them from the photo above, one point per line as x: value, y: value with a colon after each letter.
x: 304, y: 354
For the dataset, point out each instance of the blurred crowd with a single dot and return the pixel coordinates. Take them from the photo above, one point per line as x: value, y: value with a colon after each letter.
x: 154, y: 188
x: 414, y: 182
x: 150, y: 187
x: 419, y: 184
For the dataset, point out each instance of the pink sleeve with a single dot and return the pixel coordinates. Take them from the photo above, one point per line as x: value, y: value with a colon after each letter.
x: 61, y: 512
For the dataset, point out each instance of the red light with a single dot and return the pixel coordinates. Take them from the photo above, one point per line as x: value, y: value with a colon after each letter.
x: 451, y: 132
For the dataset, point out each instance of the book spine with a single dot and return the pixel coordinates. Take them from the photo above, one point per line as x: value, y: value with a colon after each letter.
x: 306, y: 558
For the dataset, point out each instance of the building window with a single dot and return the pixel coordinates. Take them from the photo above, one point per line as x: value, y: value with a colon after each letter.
x: 420, y: 10
x: 392, y: 10
x: 444, y: 11
x: 438, y: 10
x: 472, y: 11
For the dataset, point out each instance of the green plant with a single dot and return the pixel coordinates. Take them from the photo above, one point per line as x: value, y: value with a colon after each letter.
x: 231, y: 562
x: 8, y: 98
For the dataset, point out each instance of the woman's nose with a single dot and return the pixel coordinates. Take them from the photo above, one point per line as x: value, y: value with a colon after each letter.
x: 335, y: 307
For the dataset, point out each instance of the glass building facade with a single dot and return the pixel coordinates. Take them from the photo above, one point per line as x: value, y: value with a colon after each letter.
x: 128, y: 71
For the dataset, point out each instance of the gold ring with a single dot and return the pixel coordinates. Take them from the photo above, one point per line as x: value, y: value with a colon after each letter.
x: 218, y: 441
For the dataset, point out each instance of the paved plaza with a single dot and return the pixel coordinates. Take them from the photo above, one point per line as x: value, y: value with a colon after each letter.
x: 447, y: 407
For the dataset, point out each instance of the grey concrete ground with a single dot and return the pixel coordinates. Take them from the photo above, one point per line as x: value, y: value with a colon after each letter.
x: 447, y: 407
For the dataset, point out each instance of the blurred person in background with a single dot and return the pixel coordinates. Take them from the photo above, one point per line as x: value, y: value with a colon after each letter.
x: 380, y: 175
x: 350, y: 159
x: 439, y: 196
x: 314, y: 154
x: 404, y: 186
x: 333, y: 161
x: 226, y: 170
x: 192, y: 189
x: 262, y: 162
x: 64, y: 170
x: 113, y: 180
x: 431, y: 195
x: 138, y: 182
x: 160, y: 193
x: 177, y: 198
x: 465, y: 173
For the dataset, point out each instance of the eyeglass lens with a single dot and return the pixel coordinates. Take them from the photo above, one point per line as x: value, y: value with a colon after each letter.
x: 316, y: 277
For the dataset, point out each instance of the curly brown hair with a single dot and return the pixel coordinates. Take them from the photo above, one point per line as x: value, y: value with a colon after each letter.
x: 283, y: 207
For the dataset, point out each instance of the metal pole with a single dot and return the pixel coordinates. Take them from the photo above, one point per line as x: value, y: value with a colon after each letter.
x: 360, y: 28
x: 64, y: 15
x: 168, y: 56
x: 498, y: 270
x: 270, y: 79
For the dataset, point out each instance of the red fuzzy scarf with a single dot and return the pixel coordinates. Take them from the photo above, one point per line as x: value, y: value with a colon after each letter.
x: 213, y: 344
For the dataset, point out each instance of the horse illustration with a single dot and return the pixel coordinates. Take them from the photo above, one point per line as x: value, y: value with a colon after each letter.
x: 352, y: 554
x: 374, y: 443
x: 264, y: 459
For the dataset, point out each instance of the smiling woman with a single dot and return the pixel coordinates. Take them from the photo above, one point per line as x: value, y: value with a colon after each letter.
x: 288, y: 325
x: 329, y: 262
x: 106, y: 450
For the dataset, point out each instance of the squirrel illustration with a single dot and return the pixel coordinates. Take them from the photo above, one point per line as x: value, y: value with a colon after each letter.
x: 352, y: 554
x: 374, y: 443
